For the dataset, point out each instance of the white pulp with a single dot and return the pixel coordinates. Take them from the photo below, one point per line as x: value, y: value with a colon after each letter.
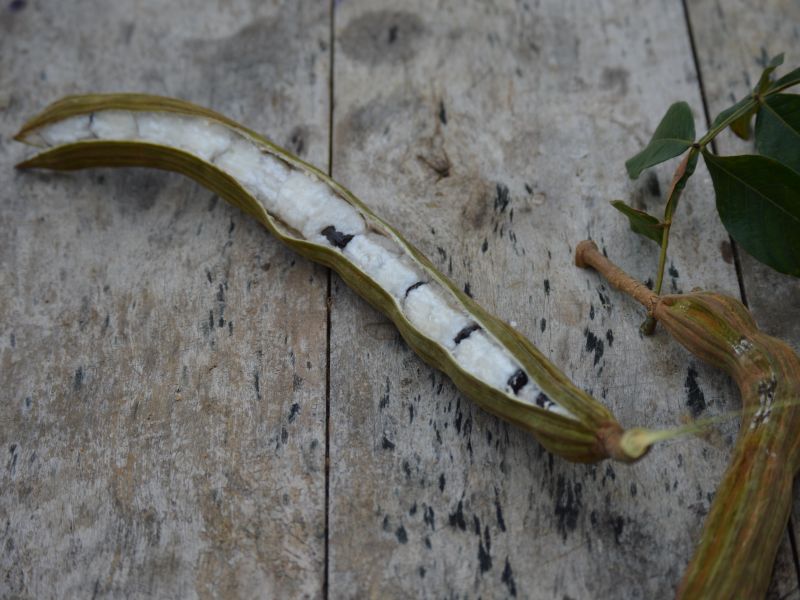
x: 310, y: 207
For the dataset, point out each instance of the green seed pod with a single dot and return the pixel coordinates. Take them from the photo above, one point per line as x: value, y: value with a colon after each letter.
x: 488, y: 360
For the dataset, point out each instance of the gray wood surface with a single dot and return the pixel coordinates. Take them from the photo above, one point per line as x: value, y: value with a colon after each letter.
x: 163, y: 360
x: 170, y: 388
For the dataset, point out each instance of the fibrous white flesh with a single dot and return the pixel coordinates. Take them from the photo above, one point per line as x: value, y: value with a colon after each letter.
x: 69, y: 130
x: 393, y: 272
x: 195, y: 135
x: 113, y: 125
x: 261, y: 174
x: 429, y: 312
x: 480, y: 356
x: 309, y: 206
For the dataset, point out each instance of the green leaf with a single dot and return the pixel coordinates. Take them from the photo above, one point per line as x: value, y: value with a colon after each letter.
x: 764, y: 81
x: 728, y: 112
x: 673, y: 136
x: 788, y: 80
x: 641, y: 222
x: 741, y: 125
x: 778, y: 129
x: 758, y: 200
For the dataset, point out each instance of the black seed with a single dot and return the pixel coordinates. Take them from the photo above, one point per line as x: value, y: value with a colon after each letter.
x: 336, y: 238
x: 517, y: 380
x: 542, y: 399
x: 465, y: 333
x: 411, y: 288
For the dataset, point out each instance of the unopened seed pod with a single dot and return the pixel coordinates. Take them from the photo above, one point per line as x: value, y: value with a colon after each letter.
x: 751, y: 507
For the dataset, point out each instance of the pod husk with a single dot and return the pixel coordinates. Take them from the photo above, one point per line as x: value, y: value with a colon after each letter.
x: 593, y: 435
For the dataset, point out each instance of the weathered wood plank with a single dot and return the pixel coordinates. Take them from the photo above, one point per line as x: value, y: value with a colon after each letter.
x: 163, y: 359
x: 493, y: 134
x: 733, y: 40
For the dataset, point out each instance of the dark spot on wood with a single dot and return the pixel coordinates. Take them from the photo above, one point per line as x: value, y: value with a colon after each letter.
x: 634, y: 489
x: 610, y: 338
x: 383, y: 37
x: 615, y: 78
x: 336, y: 238
x: 726, y: 250
x: 429, y: 517
x: 508, y: 579
x: 257, y: 385
x: 501, y: 523
x: 386, y: 444
x: 231, y: 227
x: 517, y: 380
x: 501, y: 198
x: 546, y: 287
x: 442, y: 113
x: 439, y: 164
x: 603, y: 298
x: 653, y: 186
x: 385, y: 523
x: 477, y: 524
x: 468, y: 289
x: 484, y: 553
x: 543, y: 324
x: 284, y: 435
x: 617, y: 525
x: 413, y: 510
x: 457, y: 518
x: 410, y: 413
x: 591, y: 312
x: 594, y: 344
x: 411, y: 288
x: 293, y: 412
x: 485, y: 245
x: 442, y: 482
x: 649, y: 283
x: 297, y: 140
x: 17, y: 5
x: 401, y: 534
x: 77, y: 381
x: 695, y: 399
x: 528, y: 188
x: 568, y: 505
x: 465, y: 333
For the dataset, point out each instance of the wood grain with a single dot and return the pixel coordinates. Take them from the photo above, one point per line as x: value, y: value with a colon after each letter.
x: 163, y: 359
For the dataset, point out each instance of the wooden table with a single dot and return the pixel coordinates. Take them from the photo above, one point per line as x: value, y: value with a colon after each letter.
x: 187, y: 409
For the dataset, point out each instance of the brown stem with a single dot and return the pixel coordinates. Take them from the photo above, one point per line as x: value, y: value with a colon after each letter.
x: 588, y: 255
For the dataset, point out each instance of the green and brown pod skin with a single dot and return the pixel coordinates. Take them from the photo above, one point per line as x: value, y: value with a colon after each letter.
x: 587, y: 433
x: 751, y: 507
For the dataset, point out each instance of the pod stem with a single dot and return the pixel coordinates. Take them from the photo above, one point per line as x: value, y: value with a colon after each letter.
x: 587, y: 254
